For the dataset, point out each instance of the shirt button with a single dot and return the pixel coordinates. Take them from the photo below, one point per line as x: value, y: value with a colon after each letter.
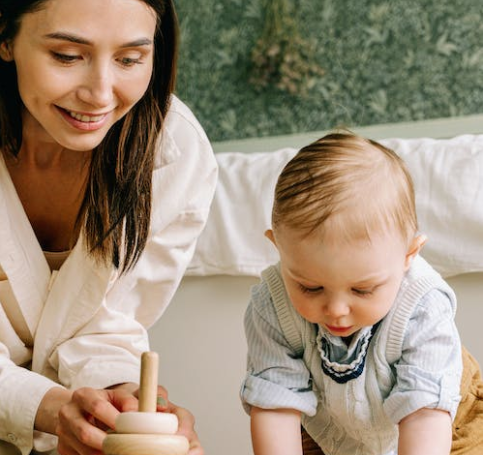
x: 11, y: 437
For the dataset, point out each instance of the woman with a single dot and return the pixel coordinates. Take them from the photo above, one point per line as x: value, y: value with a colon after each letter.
x: 105, y: 183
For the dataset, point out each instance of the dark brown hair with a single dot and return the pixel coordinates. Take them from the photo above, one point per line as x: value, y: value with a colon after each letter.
x: 115, y: 213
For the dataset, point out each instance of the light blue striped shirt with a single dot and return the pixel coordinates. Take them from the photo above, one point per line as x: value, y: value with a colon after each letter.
x: 361, y: 415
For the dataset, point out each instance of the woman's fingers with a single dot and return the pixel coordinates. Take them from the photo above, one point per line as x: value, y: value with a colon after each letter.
x: 162, y: 404
x: 196, y: 448
x: 100, y: 404
x: 186, y: 427
x: 75, y: 432
x: 84, y: 420
x: 123, y: 400
x: 69, y: 445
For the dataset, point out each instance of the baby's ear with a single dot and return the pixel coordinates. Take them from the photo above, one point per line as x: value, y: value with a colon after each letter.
x: 415, y: 246
x: 270, y: 235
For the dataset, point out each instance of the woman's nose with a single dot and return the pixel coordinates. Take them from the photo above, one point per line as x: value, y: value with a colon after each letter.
x: 97, y: 88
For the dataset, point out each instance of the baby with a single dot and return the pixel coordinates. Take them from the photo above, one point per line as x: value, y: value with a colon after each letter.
x: 352, y: 334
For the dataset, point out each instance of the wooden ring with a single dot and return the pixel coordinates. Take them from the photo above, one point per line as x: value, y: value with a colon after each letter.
x: 145, y: 444
x: 146, y: 423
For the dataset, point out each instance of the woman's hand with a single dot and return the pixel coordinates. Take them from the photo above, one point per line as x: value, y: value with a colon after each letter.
x: 81, y: 418
x: 84, y: 420
x: 186, y: 424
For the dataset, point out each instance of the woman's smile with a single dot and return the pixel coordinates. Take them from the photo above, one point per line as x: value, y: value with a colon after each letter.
x: 84, y: 121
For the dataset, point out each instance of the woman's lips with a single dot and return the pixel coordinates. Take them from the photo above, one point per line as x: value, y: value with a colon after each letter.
x: 84, y: 121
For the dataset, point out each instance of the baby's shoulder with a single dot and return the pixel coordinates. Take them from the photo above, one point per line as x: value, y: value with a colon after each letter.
x: 436, y: 304
x: 261, y: 300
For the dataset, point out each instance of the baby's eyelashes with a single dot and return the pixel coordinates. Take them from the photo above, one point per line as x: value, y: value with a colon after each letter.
x: 310, y: 290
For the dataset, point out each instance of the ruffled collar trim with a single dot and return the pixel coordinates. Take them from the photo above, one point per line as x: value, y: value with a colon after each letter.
x: 351, y: 364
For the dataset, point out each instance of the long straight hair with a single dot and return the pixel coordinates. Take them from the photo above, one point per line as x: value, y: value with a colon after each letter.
x: 116, y: 210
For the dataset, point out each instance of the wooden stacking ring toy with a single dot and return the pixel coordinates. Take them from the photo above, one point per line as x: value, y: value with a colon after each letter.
x: 146, y: 432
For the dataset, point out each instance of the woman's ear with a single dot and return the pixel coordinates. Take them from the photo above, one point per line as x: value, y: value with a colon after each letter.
x: 415, y: 246
x: 6, y: 53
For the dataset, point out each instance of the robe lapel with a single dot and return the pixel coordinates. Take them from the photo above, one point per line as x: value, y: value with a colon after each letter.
x: 21, y: 256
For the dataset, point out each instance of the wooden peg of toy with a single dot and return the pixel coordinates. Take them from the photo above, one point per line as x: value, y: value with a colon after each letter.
x: 146, y: 432
x: 148, y: 383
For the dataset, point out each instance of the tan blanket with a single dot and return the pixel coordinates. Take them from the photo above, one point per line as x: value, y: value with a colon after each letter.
x: 467, y: 427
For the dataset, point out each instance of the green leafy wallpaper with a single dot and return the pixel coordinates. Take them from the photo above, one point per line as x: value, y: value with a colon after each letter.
x: 268, y: 67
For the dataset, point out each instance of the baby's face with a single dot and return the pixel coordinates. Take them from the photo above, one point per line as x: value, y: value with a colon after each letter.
x: 340, y: 285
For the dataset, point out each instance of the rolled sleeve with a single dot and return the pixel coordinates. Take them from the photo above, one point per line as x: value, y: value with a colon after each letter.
x: 429, y: 372
x: 276, y: 378
x: 22, y: 392
x: 265, y: 394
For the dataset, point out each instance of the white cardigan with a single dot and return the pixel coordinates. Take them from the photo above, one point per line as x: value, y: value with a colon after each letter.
x: 89, y: 324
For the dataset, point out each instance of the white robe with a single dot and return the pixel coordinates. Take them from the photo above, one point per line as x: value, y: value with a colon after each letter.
x: 88, y: 324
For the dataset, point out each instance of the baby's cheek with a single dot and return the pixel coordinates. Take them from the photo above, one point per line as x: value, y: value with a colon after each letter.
x: 308, y: 310
x: 381, y: 308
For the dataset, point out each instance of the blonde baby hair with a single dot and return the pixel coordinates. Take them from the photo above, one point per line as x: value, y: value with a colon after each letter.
x: 366, y: 184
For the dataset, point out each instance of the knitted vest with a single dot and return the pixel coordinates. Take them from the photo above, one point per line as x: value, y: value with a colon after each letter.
x: 350, y: 418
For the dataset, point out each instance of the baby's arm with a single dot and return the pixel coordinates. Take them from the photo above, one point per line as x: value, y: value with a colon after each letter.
x: 427, y: 431
x: 276, y: 431
x: 278, y: 386
x: 428, y: 374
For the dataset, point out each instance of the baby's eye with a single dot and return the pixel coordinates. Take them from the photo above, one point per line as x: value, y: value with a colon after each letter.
x: 363, y: 292
x: 65, y: 58
x: 310, y: 290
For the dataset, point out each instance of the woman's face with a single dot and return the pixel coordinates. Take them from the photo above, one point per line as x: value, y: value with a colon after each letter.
x: 82, y: 65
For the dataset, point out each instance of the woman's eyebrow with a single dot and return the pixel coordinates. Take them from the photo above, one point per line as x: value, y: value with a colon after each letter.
x: 67, y: 37
x: 61, y: 36
x: 138, y: 42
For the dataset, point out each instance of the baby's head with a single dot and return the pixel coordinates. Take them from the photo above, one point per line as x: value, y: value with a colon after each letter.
x: 348, y: 186
x: 345, y: 225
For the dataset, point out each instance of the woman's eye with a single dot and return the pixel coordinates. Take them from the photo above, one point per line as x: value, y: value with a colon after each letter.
x: 309, y: 290
x: 129, y: 61
x: 65, y: 58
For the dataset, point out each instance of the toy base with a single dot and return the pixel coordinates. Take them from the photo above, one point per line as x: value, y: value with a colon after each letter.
x: 145, y: 444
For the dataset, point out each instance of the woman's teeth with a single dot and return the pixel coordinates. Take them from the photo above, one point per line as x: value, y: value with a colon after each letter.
x: 85, y: 118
